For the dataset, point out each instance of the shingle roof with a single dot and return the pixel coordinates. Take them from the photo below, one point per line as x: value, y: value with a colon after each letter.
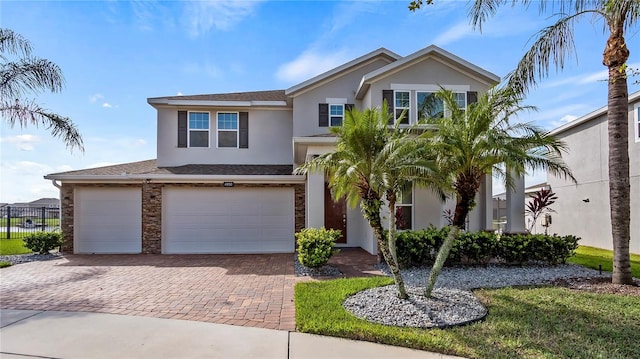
x: 272, y: 95
x: 150, y: 167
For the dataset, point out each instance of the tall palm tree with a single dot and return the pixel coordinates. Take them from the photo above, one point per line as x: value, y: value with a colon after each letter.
x: 28, y: 74
x: 552, y: 45
x: 468, y: 144
x: 371, y: 163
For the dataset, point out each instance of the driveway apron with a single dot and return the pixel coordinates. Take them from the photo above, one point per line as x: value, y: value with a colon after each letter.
x: 246, y: 290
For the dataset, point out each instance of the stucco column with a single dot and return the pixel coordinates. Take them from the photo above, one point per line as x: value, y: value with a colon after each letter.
x: 480, y: 218
x: 515, y: 206
x: 315, y: 200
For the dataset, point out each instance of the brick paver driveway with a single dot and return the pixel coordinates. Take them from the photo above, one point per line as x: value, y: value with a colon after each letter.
x: 248, y: 290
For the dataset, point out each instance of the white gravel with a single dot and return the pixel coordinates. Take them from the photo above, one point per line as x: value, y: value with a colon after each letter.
x: 31, y: 257
x: 452, y: 303
x: 324, y: 271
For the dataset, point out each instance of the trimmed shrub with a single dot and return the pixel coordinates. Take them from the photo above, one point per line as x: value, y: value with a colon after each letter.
x: 316, y: 246
x: 419, y: 248
x: 43, y: 242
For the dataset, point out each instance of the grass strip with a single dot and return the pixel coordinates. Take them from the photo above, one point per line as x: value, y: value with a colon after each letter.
x: 592, y: 257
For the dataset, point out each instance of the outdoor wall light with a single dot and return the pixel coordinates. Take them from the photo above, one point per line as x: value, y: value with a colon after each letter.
x: 586, y: 200
x: 227, y: 184
x: 148, y: 180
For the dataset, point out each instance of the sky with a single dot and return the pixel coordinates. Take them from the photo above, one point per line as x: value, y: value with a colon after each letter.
x: 116, y: 54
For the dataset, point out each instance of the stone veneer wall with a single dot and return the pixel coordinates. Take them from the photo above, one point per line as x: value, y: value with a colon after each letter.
x: 152, y: 209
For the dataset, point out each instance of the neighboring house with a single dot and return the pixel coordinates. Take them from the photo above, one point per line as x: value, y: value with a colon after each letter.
x: 500, y: 208
x: 223, y: 179
x: 45, y: 202
x: 583, y: 209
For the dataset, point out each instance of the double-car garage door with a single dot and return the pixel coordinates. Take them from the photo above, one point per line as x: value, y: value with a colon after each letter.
x: 194, y: 220
x: 227, y: 220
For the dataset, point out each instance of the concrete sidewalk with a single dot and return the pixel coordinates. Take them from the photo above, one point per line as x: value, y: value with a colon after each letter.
x: 51, y: 334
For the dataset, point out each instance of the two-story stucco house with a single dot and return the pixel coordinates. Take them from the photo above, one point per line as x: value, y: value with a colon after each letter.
x: 223, y: 179
x: 583, y: 209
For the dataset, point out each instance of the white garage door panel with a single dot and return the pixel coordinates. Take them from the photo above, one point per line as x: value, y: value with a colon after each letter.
x: 108, y: 220
x: 228, y: 220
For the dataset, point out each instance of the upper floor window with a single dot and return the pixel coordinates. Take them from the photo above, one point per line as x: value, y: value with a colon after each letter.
x: 402, y: 104
x: 336, y: 115
x: 430, y: 106
x: 198, y: 129
x: 228, y: 129
x: 404, y: 210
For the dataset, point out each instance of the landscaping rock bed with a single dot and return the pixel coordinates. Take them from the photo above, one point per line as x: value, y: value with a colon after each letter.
x: 452, y: 302
x: 31, y: 257
x: 324, y: 271
x: 446, y: 307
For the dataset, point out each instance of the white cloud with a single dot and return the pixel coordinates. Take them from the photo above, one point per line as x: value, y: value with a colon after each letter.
x: 552, y: 118
x: 456, y: 32
x: 107, y: 105
x: 179, y: 93
x: 202, y: 16
x: 24, y: 142
x: 95, y: 98
x: 309, y: 64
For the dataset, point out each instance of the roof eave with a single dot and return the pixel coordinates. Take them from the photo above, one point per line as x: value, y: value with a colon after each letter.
x: 633, y: 98
x: 169, y: 102
x: 169, y: 178
x: 292, y: 91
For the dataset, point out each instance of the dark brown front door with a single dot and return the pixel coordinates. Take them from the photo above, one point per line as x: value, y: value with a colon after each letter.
x: 335, y: 214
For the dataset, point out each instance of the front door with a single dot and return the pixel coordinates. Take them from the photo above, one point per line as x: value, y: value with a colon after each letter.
x: 335, y: 214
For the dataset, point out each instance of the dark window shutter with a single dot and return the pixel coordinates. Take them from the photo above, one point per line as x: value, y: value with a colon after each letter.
x: 182, y: 128
x: 387, y: 95
x: 348, y: 107
x: 244, y: 130
x: 323, y: 115
x: 472, y: 97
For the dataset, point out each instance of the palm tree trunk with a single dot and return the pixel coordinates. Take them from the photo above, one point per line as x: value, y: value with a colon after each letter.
x: 466, y: 197
x: 371, y: 212
x: 393, y: 264
x: 614, y: 57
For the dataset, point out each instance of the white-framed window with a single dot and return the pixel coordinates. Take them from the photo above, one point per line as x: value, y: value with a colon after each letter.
x: 336, y: 114
x: 198, y: 129
x: 637, y: 121
x: 430, y: 106
x: 227, y: 123
x: 404, y: 209
x: 402, y: 103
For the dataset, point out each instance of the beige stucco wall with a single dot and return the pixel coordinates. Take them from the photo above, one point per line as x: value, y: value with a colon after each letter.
x: 305, y: 105
x: 588, y: 159
x: 427, y: 72
x: 270, y: 132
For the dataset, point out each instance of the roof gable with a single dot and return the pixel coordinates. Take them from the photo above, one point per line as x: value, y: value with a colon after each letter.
x: 431, y: 51
x: 354, y: 64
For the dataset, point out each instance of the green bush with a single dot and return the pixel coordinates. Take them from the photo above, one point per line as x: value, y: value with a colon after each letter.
x: 419, y: 248
x: 43, y: 242
x: 315, y: 246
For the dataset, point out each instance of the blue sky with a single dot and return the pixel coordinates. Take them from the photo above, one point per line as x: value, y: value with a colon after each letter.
x: 116, y: 54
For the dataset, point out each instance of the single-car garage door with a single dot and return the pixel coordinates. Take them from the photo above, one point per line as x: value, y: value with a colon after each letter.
x: 107, y: 220
x: 228, y: 220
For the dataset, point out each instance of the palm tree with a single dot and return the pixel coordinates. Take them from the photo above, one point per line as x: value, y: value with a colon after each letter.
x: 372, y: 162
x: 552, y: 45
x: 27, y: 74
x: 468, y: 144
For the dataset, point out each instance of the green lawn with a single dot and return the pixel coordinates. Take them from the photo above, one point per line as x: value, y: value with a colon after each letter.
x: 12, y: 246
x: 18, y: 221
x: 593, y: 257
x: 546, y: 322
